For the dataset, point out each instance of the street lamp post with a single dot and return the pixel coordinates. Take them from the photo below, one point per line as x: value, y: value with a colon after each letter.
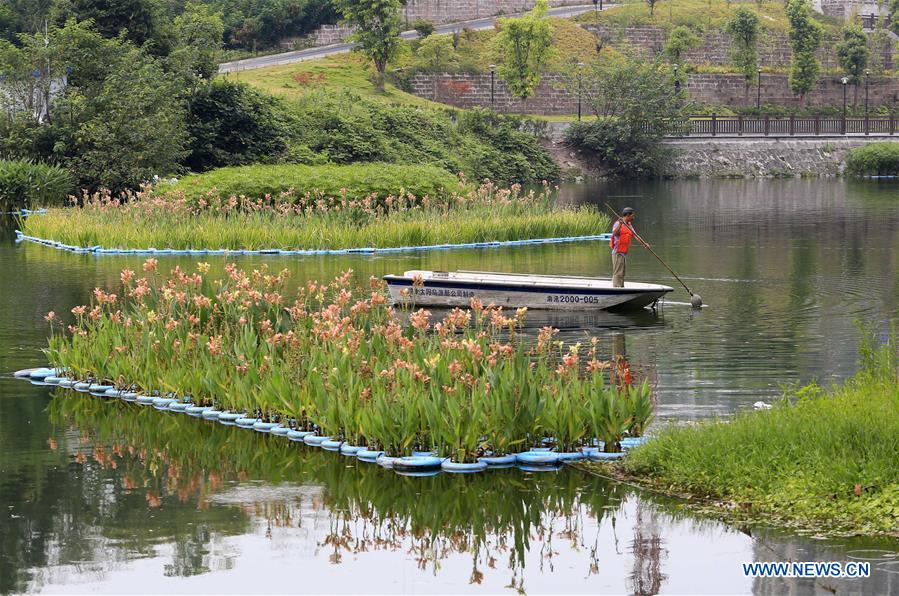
x: 867, y: 75
x: 844, y: 80
x: 493, y: 87
x: 758, y: 94
x: 580, y: 66
x: 676, y: 84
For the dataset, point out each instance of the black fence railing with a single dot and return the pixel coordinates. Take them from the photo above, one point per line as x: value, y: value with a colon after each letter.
x: 737, y: 126
x: 869, y: 21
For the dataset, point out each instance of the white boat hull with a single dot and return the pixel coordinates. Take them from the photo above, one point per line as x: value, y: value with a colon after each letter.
x: 441, y: 289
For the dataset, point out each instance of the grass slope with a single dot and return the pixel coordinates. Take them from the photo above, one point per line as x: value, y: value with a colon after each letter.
x: 825, y: 460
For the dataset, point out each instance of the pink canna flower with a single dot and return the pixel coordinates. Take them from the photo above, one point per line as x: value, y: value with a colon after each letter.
x: 150, y: 264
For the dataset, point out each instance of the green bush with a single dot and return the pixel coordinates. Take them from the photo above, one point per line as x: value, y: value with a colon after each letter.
x: 344, y: 128
x: 25, y: 184
x: 358, y: 180
x: 232, y: 124
x: 877, y: 159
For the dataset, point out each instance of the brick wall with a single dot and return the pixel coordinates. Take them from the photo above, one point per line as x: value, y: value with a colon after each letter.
x: 774, y: 48
x: 729, y: 89
x: 468, y: 91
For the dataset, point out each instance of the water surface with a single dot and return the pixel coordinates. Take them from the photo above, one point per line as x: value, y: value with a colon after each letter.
x: 106, y: 497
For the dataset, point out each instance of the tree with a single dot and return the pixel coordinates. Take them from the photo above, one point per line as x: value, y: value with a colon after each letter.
x: 436, y: 53
x: 233, y: 124
x: 681, y: 40
x: 852, y: 55
x: 199, y: 32
x: 378, y: 30
x: 805, y: 37
x: 138, y: 18
x: 525, y: 44
x: 743, y: 27
x: 131, y: 129
x: 894, y: 16
x: 636, y: 103
x: 879, y: 38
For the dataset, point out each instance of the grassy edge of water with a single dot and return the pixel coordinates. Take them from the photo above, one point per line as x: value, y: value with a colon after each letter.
x: 820, y: 462
x: 78, y: 228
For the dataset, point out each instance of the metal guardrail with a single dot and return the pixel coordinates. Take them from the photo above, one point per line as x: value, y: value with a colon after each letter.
x: 738, y: 126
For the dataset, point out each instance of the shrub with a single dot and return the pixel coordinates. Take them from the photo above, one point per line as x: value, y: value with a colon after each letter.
x: 233, y: 124
x: 26, y: 184
x: 344, y: 128
x: 423, y: 27
x: 358, y: 181
x: 877, y: 159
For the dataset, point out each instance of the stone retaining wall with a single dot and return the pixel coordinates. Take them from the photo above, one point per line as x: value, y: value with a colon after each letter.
x: 451, y: 11
x: 774, y: 48
x: 468, y: 91
x: 716, y: 158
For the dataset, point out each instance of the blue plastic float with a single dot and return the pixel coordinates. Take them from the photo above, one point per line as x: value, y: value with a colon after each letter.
x: 81, y: 386
x: 196, y: 411
x: 231, y: 416
x: 298, y: 435
x: 211, y: 414
x: 417, y: 463
x: 368, y: 455
x: 457, y: 468
x: 129, y: 396
x: 603, y: 456
x: 163, y: 403
x: 179, y: 406
x: 331, y: 445
x: 67, y: 383
x: 246, y: 422
x: 280, y: 431
x: 264, y: 427
x: 498, y: 460
x: 352, y: 450
x: 314, y: 440
x: 538, y: 456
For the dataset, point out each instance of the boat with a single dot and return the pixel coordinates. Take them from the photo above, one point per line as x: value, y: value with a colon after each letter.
x: 516, y: 290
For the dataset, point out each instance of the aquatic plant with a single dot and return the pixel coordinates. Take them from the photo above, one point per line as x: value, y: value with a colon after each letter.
x: 341, y: 360
x: 313, y: 220
x: 820, y: 458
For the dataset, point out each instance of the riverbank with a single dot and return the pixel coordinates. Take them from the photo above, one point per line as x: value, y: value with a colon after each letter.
x: 821, y: 460
x: 730, y: 157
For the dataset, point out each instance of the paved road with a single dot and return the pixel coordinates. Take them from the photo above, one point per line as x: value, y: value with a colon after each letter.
x: 313, y: 53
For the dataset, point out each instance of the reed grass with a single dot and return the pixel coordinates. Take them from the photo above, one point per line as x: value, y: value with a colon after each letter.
x: 820, y: 458
x: 340, y: 360
x: 313, y: 221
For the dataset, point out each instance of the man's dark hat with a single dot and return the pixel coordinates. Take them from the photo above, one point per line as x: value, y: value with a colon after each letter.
x: 627, y: 211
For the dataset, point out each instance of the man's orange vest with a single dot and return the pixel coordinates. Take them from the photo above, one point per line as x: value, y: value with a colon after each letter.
x: 622, y: 242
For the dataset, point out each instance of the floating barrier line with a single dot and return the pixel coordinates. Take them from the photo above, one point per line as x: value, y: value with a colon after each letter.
x: 419, y: 463
x: 99, y: 250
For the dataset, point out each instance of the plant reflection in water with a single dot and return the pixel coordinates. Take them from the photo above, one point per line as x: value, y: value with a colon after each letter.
x: 174, y: 461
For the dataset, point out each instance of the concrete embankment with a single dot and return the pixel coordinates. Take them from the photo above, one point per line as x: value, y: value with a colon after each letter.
x: 733, y: 157
x: 773, y: 157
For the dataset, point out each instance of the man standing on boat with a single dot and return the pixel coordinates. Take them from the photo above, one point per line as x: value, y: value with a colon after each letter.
x: 622, y: 235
